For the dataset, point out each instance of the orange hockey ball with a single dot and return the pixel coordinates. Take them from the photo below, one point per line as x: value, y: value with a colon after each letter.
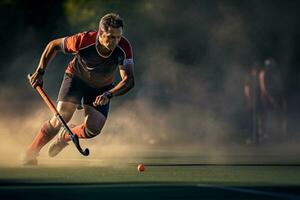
x: 141, y: 167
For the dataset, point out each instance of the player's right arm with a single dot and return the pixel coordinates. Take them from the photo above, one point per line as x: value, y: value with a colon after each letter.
x: 48, y: 54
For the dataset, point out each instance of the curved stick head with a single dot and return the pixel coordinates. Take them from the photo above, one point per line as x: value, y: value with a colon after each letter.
x: 75, y: 140
x: 86, y: 152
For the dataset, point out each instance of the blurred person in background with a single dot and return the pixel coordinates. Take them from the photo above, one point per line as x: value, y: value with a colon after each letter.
x: 265, y: 101
x: 275, y: 86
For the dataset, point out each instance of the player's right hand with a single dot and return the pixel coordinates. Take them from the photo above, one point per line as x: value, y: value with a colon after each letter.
x: 36, y: 79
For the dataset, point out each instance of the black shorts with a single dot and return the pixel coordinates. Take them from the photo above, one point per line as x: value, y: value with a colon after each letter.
x: 74, y: 90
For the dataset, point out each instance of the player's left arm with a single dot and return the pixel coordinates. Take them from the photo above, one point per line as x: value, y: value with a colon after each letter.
x: 127, y: 81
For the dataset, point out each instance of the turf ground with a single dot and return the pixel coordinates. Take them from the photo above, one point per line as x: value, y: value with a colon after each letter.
x: 165, y: 177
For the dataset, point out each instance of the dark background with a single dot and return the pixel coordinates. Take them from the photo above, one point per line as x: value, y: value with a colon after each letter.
x: 191, y: 57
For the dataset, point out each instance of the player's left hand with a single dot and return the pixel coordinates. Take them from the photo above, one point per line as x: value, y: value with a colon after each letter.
x: 102, y: 99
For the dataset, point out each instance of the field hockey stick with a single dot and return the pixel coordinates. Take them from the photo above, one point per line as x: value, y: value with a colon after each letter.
x: 49, y: 103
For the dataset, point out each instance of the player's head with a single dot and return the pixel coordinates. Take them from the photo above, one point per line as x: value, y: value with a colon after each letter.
x: 112, y: 20
x: 110, y: 30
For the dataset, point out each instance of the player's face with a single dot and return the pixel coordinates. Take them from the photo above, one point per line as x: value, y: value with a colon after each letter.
x: 111, y: 38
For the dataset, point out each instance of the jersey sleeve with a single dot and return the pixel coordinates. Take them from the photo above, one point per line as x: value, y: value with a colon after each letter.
x: 128, y: 54
x: 71, y: 44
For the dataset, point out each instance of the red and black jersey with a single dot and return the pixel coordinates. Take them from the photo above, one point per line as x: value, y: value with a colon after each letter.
x: 89, y: 65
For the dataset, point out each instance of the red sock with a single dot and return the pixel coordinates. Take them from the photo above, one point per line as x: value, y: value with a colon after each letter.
x: 46, y: 133
x: 78, y: 130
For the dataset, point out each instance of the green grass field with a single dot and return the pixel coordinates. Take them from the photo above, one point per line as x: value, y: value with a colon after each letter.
x: 165, y: 177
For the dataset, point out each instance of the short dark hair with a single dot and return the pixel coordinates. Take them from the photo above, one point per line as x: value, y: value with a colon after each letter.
x: 110, y: 20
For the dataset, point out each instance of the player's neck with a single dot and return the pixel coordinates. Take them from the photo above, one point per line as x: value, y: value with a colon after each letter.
x: 102, y: 50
